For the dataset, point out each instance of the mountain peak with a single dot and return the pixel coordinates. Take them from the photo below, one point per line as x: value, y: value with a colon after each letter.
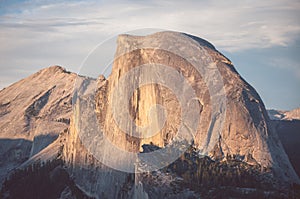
x: 162, y: 37
x: 246, y: 131
x: 53, y: 70
x: 147, y: 101
x: 284, y: 115
x: 29, y: 99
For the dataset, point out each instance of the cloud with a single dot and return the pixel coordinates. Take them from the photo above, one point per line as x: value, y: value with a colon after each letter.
x: 230, y: 25
x: 36, y: 34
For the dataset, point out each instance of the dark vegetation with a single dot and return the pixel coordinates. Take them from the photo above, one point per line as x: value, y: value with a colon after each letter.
x: 204, y: 172
x: 230, y: 178
x: 40, y: 180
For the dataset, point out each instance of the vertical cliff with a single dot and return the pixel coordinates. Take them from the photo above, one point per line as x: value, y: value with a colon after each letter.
x: 239, y: 126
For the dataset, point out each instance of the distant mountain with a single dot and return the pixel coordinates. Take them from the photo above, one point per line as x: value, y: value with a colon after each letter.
x: 293, y: 114
x: 287, y: 127
x: 275, y: 114
x: 50, y: 121
x: 284, y: 115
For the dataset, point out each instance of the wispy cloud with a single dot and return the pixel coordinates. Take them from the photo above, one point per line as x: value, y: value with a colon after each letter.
x: 230, y: 25
x: 39, y: 33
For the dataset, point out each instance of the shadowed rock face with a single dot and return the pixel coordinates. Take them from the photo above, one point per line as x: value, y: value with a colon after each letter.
x: 287, y: 125
x: 246, y: 132
x: 289, y: 134
x: 13, y: 152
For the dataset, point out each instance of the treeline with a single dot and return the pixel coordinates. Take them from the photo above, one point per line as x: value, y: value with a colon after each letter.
x: 39, y: 180
x: 223, y: 179
x: 204, y: 172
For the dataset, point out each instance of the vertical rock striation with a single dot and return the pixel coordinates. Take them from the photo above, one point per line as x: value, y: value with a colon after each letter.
x: 246, y: 132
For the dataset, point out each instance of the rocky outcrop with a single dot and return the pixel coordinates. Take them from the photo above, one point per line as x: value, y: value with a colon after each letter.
x: 29, y: 107
x: 167, y: 91
x: 284, y: 115
x: 33, y: 112
x: 293, y: 114
x: 242, y: 123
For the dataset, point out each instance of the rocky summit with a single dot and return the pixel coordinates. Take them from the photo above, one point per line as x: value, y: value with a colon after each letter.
x: 173, y: 120
x: 246, y: 131
x: 33, y: 112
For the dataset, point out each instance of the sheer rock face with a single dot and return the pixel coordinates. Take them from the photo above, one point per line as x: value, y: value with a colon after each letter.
x: 287, y: 126
x: 246, y: 131
x: 38, y: 108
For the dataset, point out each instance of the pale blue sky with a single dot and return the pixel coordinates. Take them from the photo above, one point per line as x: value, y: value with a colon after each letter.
x: 262, y: 38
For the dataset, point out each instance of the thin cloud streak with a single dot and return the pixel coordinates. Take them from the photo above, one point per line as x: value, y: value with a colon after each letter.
x: 35, y: 34
x: 231, y: 26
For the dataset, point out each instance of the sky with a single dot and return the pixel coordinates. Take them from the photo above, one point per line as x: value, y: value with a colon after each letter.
x: 261, y: 38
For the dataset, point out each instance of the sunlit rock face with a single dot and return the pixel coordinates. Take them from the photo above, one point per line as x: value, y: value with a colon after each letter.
x: 33, y: 111
x: 30, y: 106
x: 245, y: 131
x: 164, y: 88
